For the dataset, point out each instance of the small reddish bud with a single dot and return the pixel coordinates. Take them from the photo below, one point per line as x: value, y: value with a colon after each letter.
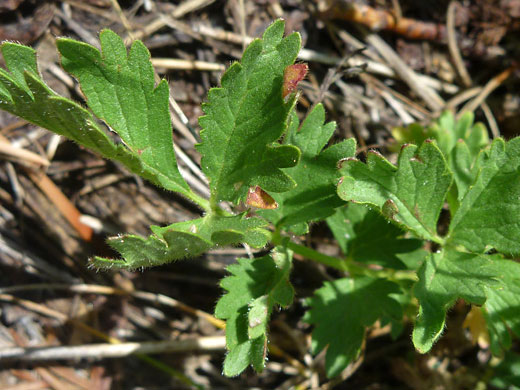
x: 257, y: 197
x: 292, y: 75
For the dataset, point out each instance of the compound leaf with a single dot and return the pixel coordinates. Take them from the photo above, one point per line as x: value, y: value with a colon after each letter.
x: 488, y: 216
x: 341, y: 310
x: 254, y: 288
x: 443, y: 278
x: 23, y: 93
x: 183, y: 239
x: 120, y: 89
x: 411, y: 194
x: 316, y: 175
x: 246, y: 116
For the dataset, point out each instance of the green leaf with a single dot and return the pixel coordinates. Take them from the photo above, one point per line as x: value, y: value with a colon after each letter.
x: 447, y: 132
x: 24, y: 94
x: 183, y: 239
x: 460, y: 142
x: 502, y: 307
x: 365, y: 236
x: 316, y: 174
x: 341, y: 310
x: 245, y: 116
x: 120, y: 89
x: 443, y: 278
x: 411, y: 194
x: 18, y: 59
x: 254, y: 288
x: 488, y: 216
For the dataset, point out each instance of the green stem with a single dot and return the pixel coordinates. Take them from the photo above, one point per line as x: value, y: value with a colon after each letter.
x: 321, y: 258
x: 345, y: 265
x: 384, y: 273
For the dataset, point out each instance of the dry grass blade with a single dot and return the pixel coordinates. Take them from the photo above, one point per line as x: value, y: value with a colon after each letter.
x: 309, y: 55
x: 107, y: 290
x: 181, y: 10
x: 428, y: 95
x: 64, y: 205
x: 490, y: 86
x: 452, y: 45
x: 147, y: 296
x: 21, y: 156
x: 42, y: 309
x: 462, y: 97
x: 53, y: 381
x: 102, y: 351
x: 35, y: 264
x: 175, y: 63
x: 28, y: 386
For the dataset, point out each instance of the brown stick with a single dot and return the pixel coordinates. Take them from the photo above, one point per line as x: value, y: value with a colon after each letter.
x: 377, y: 20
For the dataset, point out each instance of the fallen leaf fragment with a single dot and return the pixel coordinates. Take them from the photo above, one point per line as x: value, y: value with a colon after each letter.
x: 257, y: 197
x: 292, y: 75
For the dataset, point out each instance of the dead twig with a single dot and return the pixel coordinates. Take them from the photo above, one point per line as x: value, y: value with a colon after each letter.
x: 453, y: 47
x: 377, y: 20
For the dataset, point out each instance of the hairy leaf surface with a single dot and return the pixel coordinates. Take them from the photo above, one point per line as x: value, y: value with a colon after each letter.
x: 246, y: 116
x: 254, y: 288
x: 341, y: 310
x: 411, y: 194
x: 120, y: 89
x: 183, y: 239
x: 23, y: 93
